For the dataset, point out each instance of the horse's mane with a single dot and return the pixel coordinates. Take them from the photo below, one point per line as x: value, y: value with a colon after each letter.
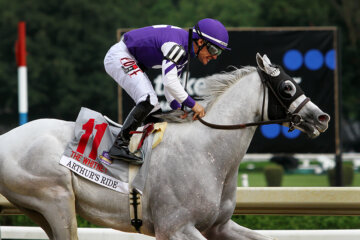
x: 215, y: 85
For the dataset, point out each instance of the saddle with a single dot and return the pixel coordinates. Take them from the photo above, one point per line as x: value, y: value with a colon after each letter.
x: 137, y: 140
x: 138, y: 137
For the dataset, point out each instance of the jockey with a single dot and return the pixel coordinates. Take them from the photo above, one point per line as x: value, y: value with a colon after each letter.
x: 164, y: 47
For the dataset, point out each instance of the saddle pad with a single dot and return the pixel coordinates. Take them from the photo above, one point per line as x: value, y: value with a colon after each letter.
x: 93, y: 137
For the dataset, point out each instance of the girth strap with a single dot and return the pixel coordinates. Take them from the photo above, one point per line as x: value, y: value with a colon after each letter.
x: 134, y: 200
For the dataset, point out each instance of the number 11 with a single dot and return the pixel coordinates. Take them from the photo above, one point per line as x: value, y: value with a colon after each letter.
x: 89, y: 127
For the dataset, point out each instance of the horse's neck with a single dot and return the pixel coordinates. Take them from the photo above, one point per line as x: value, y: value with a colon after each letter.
x: 241, y: 103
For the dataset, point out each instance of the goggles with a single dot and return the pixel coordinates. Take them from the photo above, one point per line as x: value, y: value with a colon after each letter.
x: 213, y: 50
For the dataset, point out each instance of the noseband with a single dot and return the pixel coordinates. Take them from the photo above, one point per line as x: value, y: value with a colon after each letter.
x: 292, y: 117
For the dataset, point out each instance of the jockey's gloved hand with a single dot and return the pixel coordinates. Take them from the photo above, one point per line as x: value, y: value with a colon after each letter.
x: 198, y: 111
x: 184, y: 115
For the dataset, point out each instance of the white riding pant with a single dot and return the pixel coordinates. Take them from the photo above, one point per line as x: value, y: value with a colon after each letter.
x: 123, y: 68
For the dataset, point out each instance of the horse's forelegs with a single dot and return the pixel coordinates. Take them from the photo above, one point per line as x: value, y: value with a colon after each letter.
x: 38, y: 219
x: 233, y: 231
x: 61, y: 216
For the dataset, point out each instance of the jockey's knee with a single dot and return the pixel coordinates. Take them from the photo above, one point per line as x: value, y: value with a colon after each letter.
x: 149, y: 103
x: 146, y: 105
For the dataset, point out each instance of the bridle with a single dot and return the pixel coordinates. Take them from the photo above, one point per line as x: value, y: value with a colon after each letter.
x: 293, y: 118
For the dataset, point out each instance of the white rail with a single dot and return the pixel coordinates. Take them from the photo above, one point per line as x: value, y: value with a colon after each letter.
x: 109, y: 234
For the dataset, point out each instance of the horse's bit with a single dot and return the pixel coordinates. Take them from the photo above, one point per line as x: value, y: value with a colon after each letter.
x: 293, y: 118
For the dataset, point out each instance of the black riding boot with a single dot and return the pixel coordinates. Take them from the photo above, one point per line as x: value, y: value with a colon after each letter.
x: 120, y: 150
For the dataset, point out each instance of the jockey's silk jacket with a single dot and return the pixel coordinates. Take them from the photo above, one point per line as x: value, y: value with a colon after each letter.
x: 165, y: 47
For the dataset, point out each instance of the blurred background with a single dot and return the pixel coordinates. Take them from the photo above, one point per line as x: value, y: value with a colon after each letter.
x: 67, y: 40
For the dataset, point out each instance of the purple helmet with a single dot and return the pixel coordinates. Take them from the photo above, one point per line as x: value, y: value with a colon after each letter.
x: 212, y: 31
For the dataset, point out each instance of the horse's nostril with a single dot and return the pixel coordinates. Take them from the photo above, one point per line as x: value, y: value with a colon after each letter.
x: 323, y: 118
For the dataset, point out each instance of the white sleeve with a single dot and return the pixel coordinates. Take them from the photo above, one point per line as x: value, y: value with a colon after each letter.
x: 168, y: 96
x: 171, y: 81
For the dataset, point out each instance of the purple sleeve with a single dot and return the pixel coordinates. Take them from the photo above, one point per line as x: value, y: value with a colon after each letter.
x: 169, y: 68
x: 189, y: 102
x: 175, y: 104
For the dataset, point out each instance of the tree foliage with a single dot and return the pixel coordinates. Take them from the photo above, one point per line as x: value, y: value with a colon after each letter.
x: 68, y: 39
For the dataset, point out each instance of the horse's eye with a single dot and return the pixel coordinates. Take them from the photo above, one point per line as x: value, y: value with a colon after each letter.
x: 287, y: 89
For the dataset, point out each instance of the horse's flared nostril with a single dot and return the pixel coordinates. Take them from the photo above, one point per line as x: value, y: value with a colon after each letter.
x: 324, y: 118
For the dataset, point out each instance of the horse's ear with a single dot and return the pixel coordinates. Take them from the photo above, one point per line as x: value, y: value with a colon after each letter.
x: 266, y: 66
x: 259, y: 62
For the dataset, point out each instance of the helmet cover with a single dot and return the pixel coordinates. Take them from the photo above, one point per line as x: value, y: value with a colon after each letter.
x: 212, y: 31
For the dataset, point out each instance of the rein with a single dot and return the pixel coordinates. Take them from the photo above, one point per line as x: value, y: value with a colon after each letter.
x: 293, y: 118
x: 241, y: 125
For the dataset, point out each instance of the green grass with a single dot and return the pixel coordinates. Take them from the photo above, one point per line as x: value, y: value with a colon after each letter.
x: 257, y: 179
x: 256, y: 176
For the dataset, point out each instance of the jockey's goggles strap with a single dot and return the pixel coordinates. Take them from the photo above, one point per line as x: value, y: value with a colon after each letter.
x: 199, y: 48
x: 197, y: 30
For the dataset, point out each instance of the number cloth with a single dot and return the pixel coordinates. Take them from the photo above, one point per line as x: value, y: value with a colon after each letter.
x: 93, y: 137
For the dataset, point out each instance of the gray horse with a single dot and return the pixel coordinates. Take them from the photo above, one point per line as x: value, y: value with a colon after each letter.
x: 192, y: 181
